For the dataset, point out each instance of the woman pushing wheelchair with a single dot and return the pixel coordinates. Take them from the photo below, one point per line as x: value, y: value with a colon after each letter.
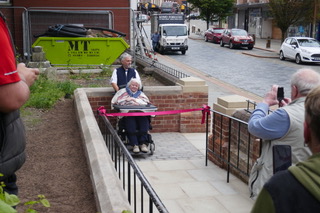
x: 136, y: 127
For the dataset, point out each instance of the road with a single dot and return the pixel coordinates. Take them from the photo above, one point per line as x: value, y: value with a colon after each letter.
x: 252, y: 74
x: 223, y: 68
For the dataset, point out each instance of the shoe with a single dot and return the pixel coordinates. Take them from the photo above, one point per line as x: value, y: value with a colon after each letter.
x: 144, y: 148
x: 136, y: 149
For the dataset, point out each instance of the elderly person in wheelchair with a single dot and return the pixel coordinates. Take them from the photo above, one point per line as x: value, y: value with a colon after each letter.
x: 136, y: 127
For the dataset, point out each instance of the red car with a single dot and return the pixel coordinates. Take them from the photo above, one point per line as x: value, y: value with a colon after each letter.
x: 236, y: 38
x: 213, y: 34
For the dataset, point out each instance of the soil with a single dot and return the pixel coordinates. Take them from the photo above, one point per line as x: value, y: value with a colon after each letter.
x: 56, y: 166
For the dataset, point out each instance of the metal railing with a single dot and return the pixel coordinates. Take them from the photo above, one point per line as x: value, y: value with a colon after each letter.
x: 164, y: 68
x: 231, y: 144
x: 140, y: 193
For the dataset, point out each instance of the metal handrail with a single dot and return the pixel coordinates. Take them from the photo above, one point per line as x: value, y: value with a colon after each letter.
x: 121, y: 156
x: 164, y: 68
x: 230, y: 130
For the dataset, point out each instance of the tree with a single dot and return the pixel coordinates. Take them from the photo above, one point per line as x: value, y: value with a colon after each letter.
x: 213, y: 10
x: 290, y: 12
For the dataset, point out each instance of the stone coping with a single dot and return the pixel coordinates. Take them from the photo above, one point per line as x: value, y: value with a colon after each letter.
x: 109, y: 194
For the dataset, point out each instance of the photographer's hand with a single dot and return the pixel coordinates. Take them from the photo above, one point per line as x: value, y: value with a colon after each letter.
x: 271, y: 97
x: 285, y: 102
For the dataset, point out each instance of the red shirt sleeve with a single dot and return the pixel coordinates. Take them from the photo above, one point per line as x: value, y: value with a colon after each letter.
x: 8, y: 68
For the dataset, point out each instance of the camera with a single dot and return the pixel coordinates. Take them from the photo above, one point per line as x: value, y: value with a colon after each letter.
x: 280, y: 94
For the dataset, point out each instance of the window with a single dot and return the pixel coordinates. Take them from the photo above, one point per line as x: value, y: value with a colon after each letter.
x: 4, y: 1
x: 175, y: 30
x: 288, y: 40
x: 308, y: 43
x: 240, y: 32
x: 294, y: 42
x: 218, y: 31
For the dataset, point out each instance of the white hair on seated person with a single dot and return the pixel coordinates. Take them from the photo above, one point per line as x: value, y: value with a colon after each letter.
x: 135, y: 80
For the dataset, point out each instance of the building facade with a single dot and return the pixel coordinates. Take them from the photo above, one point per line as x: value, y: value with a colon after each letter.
x: 255, y: 17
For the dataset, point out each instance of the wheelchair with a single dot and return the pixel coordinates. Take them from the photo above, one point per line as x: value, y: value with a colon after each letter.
x: 123, y: 133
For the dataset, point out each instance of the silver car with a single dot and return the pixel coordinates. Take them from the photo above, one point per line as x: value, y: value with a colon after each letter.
x: 300, y: 49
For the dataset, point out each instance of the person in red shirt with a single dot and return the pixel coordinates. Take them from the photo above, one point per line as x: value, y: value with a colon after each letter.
x: 15, y: 81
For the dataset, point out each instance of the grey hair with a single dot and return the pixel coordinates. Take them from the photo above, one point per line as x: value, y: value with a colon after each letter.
x: 125, y: 55
x: 135, y: 80
x: 305, y: 79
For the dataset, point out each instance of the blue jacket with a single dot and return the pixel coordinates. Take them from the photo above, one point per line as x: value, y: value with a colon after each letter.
x: 155, y: 38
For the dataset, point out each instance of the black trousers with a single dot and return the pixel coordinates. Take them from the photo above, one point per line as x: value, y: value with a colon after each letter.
x: 11, y: 185
x: 137, y: 129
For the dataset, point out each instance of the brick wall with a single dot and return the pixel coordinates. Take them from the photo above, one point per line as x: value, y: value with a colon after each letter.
x: 166, y: 98
x: 119, y: 8
x: 244, y: 148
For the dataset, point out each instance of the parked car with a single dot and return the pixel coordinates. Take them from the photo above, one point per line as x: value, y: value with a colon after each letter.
x: 236, y: 38
x: 213, y: 34
x: 300, y: 49
x: 193, y: 16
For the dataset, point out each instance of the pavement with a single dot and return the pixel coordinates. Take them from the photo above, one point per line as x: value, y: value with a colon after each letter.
x: 177, y: 169
x: 178, y: 173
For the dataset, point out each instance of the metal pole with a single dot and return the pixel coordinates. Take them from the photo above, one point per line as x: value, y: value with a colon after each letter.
x: 207, y: 132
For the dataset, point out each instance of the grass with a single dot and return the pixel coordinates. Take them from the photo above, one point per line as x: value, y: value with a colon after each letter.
x: 45, y: 92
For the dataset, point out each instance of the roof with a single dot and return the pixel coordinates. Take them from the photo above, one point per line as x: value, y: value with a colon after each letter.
x: 300, y: 37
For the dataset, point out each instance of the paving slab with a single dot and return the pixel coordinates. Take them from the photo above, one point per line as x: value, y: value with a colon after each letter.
x: 185, y: 184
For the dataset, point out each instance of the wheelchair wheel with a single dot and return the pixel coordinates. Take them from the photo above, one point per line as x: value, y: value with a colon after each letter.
x: 152, y: 148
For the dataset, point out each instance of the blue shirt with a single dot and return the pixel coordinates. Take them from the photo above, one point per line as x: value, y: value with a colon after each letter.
x: 155, y: 37
x: 268, y: 127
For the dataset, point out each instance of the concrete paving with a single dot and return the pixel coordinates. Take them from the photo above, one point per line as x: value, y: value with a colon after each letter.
x: 185, y: 184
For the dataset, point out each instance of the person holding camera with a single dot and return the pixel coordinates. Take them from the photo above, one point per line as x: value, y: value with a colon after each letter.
x: 300, y: 182
x: 284, y: 126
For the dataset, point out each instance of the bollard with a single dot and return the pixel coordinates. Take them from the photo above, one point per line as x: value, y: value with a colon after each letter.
x: 268, y: 44
x: 254, y: 38
x: 193, y: 29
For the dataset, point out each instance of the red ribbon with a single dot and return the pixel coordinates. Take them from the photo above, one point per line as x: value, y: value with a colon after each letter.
x: 205, y: 109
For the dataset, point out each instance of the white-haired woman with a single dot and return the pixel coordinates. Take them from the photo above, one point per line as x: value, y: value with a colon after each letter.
x: 137, y: 127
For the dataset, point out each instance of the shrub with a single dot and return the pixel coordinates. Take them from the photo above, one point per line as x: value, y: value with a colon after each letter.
x: 45, y: 92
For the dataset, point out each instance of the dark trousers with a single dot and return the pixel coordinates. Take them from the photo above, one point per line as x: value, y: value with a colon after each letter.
x: 10, y: 185
x: 137, y: 129
x: 154, y: 45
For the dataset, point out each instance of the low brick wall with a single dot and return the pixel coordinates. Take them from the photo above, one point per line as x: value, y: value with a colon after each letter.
x: 240, y: 150
x: 166, y: 98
